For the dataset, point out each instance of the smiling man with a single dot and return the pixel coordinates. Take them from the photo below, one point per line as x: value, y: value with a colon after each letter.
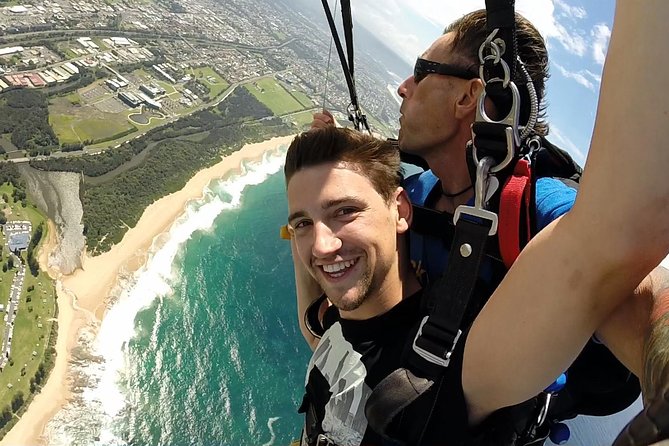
x: 347, y: 218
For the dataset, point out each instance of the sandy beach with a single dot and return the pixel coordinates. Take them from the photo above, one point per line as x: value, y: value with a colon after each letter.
x: 83, y: 295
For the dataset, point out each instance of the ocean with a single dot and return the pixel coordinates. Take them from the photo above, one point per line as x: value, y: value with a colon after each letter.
x: 201, y: 346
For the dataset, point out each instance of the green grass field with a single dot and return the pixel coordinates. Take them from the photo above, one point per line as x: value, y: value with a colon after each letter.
x: 210, y: 78
x: 274, y: 96
x: 302, y: 98
x: 37, y: 307
x: 74, y: 129
x: 303, y: 120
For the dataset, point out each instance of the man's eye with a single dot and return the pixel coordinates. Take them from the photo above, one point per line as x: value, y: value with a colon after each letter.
x: 346, y: 211
x: 301, y: 224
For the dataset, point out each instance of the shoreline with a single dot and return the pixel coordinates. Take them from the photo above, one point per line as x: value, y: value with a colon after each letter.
x: 83, y: 295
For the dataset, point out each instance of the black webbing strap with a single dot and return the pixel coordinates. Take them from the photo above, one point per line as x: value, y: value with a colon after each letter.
x: 490, y: 138
x: 450, y: 298
x: 347, y: 21
x: 500, y: 15
x: 340, y: 52
x: 451, y: 295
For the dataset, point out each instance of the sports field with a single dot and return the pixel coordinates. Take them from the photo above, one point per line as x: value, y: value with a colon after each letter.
x: 302, y: 98
x: 210, y: 78
x: 74, y: 129
x: 274, y: 96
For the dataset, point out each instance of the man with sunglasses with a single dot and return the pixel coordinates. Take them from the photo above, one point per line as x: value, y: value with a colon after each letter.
x: 437, y: 111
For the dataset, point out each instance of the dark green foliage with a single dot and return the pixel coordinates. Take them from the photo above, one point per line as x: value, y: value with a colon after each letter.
x: 5, y: 416
x: 24, y: 113
x: 171, y: 162
x: 73, y: 147
x: 34, y: 241
x: 108, y: 208
x: 17, y: 401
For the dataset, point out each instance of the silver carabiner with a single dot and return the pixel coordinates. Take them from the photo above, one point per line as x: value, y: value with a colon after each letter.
x: 511, y: 120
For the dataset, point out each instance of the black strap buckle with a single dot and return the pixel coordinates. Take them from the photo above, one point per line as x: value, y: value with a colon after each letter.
x: 431, y: 357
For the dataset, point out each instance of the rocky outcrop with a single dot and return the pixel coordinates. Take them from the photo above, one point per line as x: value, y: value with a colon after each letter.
x: 57, y: 194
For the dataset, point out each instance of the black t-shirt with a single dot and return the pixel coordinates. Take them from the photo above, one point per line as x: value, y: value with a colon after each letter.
x: 354, y: 355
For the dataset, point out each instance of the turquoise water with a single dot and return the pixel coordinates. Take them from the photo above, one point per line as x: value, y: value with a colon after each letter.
x: 201, y: 345
x: 221, y: 360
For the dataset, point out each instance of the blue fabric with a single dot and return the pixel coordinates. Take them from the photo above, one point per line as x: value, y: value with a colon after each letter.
x: 429, y: 255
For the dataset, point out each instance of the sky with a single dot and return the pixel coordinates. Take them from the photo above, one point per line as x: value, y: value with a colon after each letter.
x: 577, y: 35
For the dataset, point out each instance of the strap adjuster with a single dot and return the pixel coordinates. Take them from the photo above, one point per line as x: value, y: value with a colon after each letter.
x: 478, y: 213
x: 322, y: 440
x: 429, y: 356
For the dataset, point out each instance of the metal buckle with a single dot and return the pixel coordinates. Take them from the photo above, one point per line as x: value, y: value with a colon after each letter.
x: 483, y: 191
x: 431, y: 357
x: 511, y: 120
x: 479, y: 213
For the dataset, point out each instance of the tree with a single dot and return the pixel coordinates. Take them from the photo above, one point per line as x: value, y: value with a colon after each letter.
x: 5, y: 416
x: 17, y: 401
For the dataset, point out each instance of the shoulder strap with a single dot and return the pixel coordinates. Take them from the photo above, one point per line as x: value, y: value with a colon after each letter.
x: 515, y: 197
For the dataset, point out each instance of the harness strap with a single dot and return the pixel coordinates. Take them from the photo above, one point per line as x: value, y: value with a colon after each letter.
x: 450, y: 299
x: 500, y: 15
x: 449, y: 296
x: 515, y: 193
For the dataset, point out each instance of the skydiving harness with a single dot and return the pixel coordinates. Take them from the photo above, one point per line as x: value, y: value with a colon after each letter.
x: 355, y: 114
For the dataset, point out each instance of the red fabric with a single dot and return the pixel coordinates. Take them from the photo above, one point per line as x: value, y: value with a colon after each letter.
x: 516, y: 189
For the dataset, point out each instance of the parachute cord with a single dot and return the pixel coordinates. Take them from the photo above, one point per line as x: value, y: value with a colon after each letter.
x: 327, y: 69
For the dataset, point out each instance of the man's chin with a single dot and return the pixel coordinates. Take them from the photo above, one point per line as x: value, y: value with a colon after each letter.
x: 347, y: 302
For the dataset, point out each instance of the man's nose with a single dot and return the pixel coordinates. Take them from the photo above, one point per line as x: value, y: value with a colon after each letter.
x: 326, y: 241
x: 404, y: 89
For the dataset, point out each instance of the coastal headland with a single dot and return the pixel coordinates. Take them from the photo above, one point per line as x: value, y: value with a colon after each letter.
x: 84, y: 295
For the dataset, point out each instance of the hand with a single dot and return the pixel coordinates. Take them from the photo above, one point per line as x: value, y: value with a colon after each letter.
x: 323, y: 120
x: 650, y: 426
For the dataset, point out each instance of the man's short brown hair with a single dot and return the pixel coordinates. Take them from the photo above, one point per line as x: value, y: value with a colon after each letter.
x: 378, y: 160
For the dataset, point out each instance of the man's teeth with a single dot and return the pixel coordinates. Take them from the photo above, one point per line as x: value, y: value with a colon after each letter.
x: 339, y: 266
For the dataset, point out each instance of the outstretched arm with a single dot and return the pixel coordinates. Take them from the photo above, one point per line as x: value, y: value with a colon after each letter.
x: 307, y: 291
x: 576, y: 272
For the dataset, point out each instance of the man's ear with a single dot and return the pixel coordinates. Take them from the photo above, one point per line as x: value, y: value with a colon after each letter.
x: 468, y: 98
x: 404, y: 210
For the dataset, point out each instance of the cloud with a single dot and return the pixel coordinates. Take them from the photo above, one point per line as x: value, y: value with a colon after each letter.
x: 573, y: 41
x: 601, y: 34
x: 573, y: 12
x: 580, y: 76
x: 563, y: 141
x: 409, y: 26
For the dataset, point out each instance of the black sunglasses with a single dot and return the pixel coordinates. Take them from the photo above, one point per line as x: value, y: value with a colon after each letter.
x: 424, y: 67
